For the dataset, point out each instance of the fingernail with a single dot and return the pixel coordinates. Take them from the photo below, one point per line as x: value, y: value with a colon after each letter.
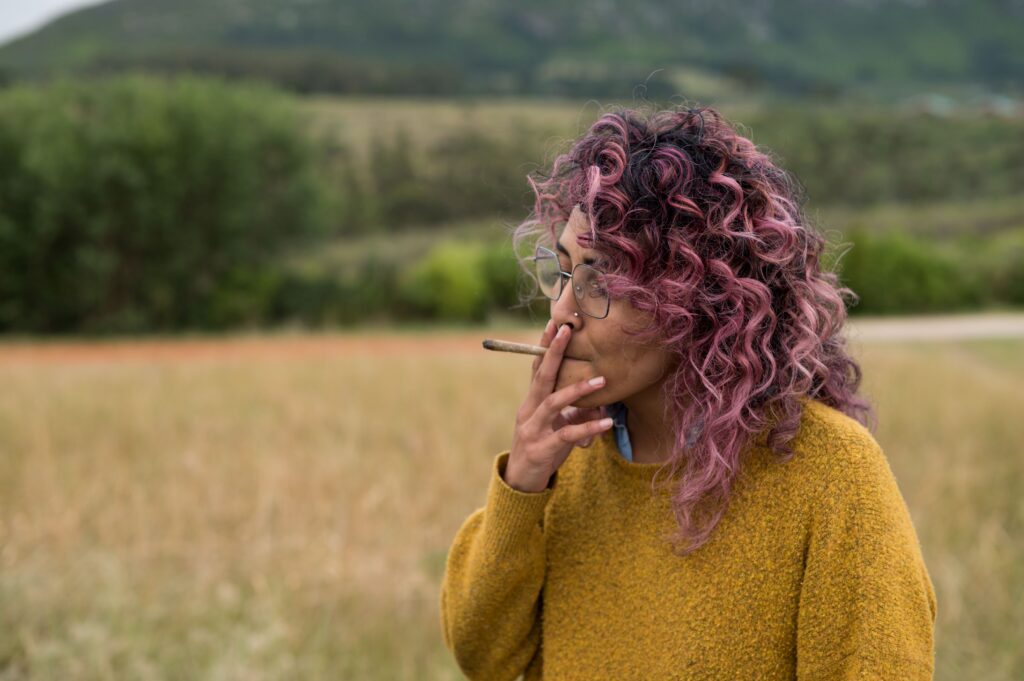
x: 561, y: 331
x: 547, y: 329
x: 597, y: 381
x: 606, y: 422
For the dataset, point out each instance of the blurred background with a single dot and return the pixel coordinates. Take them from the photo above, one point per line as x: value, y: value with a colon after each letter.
x: 249, y: 249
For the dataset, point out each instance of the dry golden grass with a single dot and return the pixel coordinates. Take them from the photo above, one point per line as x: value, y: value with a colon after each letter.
x: 287, y: 516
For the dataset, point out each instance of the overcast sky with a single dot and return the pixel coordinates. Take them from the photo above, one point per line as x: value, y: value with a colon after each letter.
x: 21, y: 16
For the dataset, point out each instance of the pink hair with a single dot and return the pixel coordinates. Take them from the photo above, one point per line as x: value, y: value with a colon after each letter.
x: 701, y: 230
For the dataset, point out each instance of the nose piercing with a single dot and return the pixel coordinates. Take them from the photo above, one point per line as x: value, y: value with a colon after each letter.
x: 575, y: 314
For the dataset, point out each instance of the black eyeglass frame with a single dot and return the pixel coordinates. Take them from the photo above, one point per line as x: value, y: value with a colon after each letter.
x: 569, y: 275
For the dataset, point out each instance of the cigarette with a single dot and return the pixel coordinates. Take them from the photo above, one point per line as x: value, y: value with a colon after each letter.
x: 521, y: 348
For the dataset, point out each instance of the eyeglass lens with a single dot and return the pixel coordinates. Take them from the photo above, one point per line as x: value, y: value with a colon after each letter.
x: 588, y: 283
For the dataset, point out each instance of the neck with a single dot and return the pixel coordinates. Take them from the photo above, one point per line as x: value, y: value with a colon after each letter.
x: 650, y: 435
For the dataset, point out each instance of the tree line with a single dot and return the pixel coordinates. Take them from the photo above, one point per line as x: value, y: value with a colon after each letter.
x: 137, y: 204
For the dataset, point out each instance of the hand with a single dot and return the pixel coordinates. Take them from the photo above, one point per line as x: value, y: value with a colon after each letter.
x: 547, y: 426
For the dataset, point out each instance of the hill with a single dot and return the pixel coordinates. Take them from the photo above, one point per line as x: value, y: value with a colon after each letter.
x: 565, y: 47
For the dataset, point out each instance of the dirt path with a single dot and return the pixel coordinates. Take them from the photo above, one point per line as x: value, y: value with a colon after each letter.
x: 932, y: 328
x: 939, y: 327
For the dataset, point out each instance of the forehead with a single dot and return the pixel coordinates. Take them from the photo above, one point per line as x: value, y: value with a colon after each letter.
x: 577, y: 225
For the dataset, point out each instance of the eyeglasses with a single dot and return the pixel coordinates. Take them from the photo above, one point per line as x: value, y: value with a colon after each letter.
x: 589, y: 284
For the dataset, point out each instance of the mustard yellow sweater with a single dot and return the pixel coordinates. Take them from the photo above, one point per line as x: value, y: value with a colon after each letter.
x: 815, y: 572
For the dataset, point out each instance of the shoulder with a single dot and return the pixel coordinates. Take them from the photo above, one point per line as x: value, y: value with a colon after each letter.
x: 827, y: 429
x: 831, y: 451
x: 846, y: 462
x: 829, y: 439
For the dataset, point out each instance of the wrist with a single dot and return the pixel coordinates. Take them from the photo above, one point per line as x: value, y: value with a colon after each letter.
x: 529, y: 482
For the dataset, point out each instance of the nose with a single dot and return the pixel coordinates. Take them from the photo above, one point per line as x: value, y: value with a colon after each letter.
x: 566, y: 309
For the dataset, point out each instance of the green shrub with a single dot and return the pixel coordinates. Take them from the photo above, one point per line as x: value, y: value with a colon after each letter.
x: 447, y: 285
x: 859, y: 156
x: 1001, y: 260
x: 136, y: 204
x: 1010, y: 278
x: 505, y: 279
x: 894, y: 273
x: 453, y: 282
x: 243, y: 297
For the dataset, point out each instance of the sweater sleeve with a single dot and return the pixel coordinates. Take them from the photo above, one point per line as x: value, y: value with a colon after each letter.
x: 494, y: 573
x: 867, y: 605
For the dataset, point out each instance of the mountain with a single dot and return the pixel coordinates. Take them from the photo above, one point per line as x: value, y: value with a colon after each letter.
x: 568, y: 47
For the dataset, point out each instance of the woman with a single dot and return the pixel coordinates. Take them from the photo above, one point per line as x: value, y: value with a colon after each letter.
x: 734, y: 517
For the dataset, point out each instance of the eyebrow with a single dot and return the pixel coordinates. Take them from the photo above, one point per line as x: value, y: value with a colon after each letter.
x: 587, y: 260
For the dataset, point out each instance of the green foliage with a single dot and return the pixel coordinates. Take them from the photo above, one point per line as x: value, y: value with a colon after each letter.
x: 461, y: 175
x: 894, y: 273
x: 137, y: 204
x: 448, y: 285
x: 846, y: 158
x: 243, y: 296
x: 505, y: 278
x: 860, y: 157
x: 298, y: 69
x: 1009, y: 284
x: 477, y: 174
x: 555, y: 48
x: 369, y: 292
x: 452, y: 281
x: 1000, y: 260
x: 458, y: 281
x: 398, y: 193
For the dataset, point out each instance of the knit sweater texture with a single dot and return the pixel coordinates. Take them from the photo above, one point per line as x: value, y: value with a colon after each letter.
x: 814, y: 572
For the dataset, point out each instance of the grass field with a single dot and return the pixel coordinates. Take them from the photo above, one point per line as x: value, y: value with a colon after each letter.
x: 286, y: 515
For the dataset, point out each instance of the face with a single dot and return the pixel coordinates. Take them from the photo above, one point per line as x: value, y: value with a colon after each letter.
x: 630, y: 370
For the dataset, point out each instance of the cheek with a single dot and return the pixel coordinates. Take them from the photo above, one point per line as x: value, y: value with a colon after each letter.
x: 649, y: 376
x: 636, y: 371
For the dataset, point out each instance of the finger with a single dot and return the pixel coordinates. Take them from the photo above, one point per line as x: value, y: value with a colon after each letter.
x: 552, y: 405
x: 579, y: 431
x: 544, y: 380
x: 569, y: 413
x: 595, y: 414
x: 564, y: 418
x: 572, y: 414
x: 580, y: 415
x: 545, y: 341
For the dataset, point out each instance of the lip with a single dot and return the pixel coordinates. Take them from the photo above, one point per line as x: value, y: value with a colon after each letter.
x: 572, y: 356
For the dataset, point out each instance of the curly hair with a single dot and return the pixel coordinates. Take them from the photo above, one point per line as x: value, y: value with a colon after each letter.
x: 705, y: 233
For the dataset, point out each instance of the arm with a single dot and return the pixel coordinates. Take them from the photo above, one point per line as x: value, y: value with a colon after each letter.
x: 867, y: 604
x: 491, y: 591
